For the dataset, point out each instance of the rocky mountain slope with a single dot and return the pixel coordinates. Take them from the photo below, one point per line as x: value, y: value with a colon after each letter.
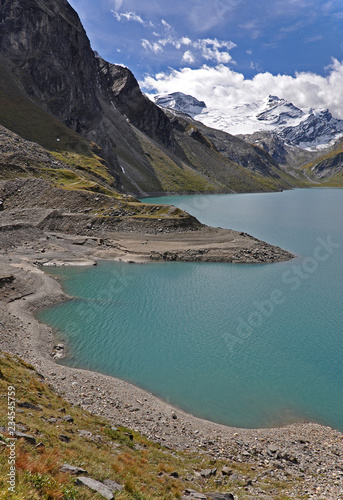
x: 56, y: 91
x: 294, y: 137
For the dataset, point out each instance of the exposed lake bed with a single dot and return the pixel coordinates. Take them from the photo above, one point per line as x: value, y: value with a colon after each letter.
x: 125, y: 404
x: 246, y: 346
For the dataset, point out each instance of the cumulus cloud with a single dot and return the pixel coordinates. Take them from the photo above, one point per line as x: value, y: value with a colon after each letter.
x: 185, y: 40
x: 220, y: 86
x: 210, y: 49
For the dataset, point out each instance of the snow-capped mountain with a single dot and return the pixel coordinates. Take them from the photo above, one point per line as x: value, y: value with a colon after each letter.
x: 181, y: 102
x: 306, y: 128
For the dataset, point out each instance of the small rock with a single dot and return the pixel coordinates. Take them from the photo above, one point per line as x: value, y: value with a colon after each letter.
x: 220, y: 496
x: 68, y: 418
x: 27, y: 437
x: 192, y: 494
x: 21, y: 428
x: 71, y: 469
x: 59, y: 347
x: 64, y: 438
x: 273, y: 449
x: 85, y: 434
x: 226, y: 471
x: 94, y: 485
x: 52, y: 420
x: 28, y: 405
x: 207, y: 473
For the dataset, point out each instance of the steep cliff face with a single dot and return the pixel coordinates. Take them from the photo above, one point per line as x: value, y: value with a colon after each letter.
x: 52, y: 57
x: 123, y: 90
x: 49, y: 54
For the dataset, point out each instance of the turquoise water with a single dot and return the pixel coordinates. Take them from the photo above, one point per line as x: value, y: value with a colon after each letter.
x: 244, y: 345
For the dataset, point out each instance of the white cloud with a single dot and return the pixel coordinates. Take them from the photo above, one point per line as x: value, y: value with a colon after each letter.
x: 131, y: 16
x: 217, y: 44
x: 210, y: 50
x: 216, y: 55
x: 220, y: 86
x: 207, y: 48
x: 128, y: 16
x: 165, y: 24
x: 185, y: 40
x: 153, y: 47
x: 313, y: 39
x: 188, y: 57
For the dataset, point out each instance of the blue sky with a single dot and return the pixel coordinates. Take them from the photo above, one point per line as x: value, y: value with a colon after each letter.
x: 245, y: 38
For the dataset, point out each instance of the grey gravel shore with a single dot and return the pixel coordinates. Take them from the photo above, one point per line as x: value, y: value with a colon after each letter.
x: 306, y: 456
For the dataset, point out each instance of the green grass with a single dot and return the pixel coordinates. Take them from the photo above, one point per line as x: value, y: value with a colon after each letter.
x: 21, y: 115
x: 334, y: 180
x: 177, y: 177
x: 143, y: 467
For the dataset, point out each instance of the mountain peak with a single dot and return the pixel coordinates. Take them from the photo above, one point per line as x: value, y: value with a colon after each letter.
x: 179, y: 101
x: 279, y: 111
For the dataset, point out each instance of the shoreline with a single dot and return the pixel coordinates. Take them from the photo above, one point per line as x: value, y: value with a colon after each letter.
x: 307, y: 447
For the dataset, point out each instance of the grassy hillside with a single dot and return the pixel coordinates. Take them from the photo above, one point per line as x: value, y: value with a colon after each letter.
x: 328, y: 169
x: 144, y: 469
x: 84, y: 169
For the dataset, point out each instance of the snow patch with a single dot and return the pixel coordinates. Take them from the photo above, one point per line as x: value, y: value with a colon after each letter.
x: 307, y: 128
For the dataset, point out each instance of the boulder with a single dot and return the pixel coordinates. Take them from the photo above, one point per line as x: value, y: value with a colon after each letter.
x: 97, y: 486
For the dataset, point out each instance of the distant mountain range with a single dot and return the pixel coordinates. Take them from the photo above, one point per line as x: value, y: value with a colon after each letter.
x: 295, y: 137
x: 309, y: 129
